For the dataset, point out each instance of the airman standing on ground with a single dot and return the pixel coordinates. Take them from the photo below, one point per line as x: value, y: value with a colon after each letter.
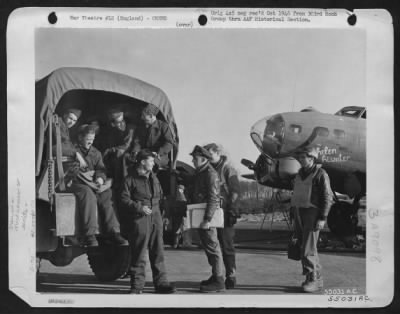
x: 230, y: 190
x: 140, y: 198
x: 311, y: 201
x: 207, y: 190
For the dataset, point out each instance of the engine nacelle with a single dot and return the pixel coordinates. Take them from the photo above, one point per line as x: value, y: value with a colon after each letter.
x: 277, y: 173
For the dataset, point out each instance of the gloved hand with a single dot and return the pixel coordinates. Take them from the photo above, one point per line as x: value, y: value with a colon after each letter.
x: 230, y: 219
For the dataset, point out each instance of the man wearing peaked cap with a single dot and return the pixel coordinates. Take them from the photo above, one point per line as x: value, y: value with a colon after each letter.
x: 230, y: 190
x: 311, y: 202
x: 141, y: 200
x: 207, y: 190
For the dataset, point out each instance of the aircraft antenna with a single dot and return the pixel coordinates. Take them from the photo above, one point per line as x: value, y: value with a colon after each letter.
x: 294, y: 89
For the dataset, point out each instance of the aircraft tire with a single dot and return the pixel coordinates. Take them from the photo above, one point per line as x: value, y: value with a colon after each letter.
x: 341, y: 220
x: 109, y: 262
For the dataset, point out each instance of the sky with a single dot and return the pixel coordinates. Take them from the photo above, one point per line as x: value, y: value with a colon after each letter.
x: 220, y: 82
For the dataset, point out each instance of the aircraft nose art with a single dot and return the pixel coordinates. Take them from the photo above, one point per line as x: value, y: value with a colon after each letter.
x: 268, y: 134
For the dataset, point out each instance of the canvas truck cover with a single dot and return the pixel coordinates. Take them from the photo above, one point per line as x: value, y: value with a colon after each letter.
x: 50, y: 90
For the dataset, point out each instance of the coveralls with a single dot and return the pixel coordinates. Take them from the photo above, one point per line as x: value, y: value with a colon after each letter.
x: 312, y: 199
x: 145, y: 232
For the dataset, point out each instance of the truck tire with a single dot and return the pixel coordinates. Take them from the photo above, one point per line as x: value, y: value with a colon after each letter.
x: 109, y: 262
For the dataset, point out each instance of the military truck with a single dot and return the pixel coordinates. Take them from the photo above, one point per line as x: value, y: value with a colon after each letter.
x: 94, y: 92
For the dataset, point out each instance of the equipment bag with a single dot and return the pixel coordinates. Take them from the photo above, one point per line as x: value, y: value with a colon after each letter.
x: 294, y: 251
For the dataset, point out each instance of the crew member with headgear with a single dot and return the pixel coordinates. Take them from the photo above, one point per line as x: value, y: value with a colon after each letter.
x: 90, y: 201
x: 68, y: 119
x: 206, y: 189
x: 311, y: 202
x: 114, y: 142
x: 230, y: 190
x: 141, y: 199
x: 155, y: 135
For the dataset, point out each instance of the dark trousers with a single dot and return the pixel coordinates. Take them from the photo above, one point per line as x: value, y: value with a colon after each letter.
x: 225, y: 238
x: 89, y: 203
x: 210, y: 243
x: 117, y: 168
x: 305, y: 222
x: 146, y: 233
x: 165, y: 180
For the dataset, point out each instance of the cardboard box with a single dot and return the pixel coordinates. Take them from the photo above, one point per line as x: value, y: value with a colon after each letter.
x: 195, y: 215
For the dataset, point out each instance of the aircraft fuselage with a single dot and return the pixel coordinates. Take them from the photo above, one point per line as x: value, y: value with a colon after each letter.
x: 340, y: 140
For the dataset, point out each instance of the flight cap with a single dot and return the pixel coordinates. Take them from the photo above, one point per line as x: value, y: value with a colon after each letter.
x: 114, y: 114
x: 214, y: 147
x: 309, y: 151
x: 74, y: 111
x: 144, y: 154
x: 150, y: 109
x: 200, y: 151
x: 85, y: 129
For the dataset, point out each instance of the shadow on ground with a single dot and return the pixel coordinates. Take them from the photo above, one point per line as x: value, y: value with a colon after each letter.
x: 63, y: 283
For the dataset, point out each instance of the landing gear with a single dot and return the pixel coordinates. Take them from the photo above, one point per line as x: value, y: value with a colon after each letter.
x: 343, y: 221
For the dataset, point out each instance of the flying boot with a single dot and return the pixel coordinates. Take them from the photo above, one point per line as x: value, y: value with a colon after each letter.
x: 213, y: 284
x: 314, y: 282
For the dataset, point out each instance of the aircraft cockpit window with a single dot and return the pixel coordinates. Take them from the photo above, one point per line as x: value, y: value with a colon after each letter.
x: 274, y: 129
x: 257, y: 140
x: 364, y: 115
x: 295, y: 128
x: 352, y: 112
x: 339, y: 133
x: 321, y: 131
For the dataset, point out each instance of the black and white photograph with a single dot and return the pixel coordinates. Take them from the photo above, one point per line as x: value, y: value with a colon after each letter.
x: 221, y: 154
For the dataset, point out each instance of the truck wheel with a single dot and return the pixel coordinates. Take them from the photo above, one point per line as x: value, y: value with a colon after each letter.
x: 109, y: 262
